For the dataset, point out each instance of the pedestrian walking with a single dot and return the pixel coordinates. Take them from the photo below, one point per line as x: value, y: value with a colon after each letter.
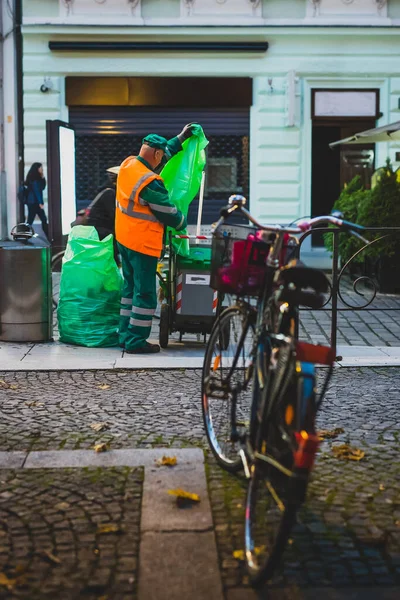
x: 143, y: 208
x: 35, y: 183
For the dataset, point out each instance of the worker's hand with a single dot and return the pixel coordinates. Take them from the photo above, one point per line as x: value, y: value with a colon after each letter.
x: 41, y: 205
x: 186, y: 132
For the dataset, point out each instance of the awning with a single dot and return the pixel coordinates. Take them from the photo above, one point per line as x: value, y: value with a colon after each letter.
x: 387, y: 133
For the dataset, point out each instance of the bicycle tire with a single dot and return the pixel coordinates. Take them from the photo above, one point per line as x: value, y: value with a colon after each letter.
x: 262, y: 561
x: 217, y: 391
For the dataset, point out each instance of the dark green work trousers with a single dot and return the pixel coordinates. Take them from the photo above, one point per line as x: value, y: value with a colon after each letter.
x: 139, y: 297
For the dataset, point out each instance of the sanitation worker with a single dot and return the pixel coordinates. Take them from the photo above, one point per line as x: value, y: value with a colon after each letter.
x: 143, y: 208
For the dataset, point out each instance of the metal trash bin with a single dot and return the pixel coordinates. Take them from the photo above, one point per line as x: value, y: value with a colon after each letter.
x: 25, y: 291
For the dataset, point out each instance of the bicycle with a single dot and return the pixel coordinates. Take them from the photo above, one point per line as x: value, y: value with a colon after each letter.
x: 277, y: 449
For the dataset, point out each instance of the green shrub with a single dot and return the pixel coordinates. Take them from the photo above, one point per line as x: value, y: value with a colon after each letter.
x: 379, y: 207
x: 348, y: 203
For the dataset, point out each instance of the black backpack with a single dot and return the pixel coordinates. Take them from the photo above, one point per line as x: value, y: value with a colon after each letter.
x: 23, y: 192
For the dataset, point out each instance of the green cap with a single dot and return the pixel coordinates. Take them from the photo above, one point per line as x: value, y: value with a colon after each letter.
x: 155, y: 141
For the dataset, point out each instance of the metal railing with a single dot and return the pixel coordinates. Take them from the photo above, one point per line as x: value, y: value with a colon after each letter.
x: 337, y: 302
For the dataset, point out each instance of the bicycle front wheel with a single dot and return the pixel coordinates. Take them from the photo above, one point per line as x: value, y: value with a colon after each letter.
x: 226, y: 385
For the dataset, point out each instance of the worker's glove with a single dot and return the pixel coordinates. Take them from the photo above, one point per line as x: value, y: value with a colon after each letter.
x: 185, y: 133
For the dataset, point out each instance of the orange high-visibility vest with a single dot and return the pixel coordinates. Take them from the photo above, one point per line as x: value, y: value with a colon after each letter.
x: 136, y: 227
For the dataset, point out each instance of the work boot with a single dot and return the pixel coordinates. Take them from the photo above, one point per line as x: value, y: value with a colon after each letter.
x: 146, y: 349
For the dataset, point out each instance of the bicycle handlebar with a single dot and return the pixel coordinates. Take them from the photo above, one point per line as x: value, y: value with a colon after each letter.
x: 302, y: 226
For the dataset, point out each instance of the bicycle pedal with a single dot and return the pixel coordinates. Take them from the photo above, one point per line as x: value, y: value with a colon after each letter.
x: 245, y: 463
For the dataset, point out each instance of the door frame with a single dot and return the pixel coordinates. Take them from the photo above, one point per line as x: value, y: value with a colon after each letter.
x: 329, y: 83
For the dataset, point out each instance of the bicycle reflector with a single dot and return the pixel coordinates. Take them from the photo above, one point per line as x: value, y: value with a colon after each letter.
x: 307, y: 447
x: 314, y: 353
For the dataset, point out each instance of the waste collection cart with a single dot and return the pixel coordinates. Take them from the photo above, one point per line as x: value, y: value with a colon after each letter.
x: 190, y: 305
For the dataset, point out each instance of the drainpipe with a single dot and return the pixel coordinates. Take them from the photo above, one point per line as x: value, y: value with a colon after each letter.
x: 3, y: 201
x: 20, y: 97
x: 12, y: 167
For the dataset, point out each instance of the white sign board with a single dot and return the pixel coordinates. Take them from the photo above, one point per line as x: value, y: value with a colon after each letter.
x: 338, y: 103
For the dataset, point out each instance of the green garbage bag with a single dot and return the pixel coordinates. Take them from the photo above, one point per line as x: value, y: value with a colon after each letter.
x: 182, y: 178
x: 90, y: 290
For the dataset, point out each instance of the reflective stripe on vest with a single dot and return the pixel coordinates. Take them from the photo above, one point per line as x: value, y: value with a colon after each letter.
x: 137, y: 215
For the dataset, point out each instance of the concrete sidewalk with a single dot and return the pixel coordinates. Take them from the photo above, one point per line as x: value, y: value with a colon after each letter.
x: 189, y: 355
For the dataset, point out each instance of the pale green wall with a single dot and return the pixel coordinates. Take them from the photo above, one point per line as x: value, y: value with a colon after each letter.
x: 160, y: 8
x: 394, y: 9
x: 280, y: 167
x: 287, y: 9
x: 44, y: 8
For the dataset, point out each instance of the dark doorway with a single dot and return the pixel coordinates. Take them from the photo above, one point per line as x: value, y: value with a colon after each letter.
x: 333, y: 168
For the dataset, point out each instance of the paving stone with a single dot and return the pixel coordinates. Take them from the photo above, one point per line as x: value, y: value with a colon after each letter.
x: 53, y: 565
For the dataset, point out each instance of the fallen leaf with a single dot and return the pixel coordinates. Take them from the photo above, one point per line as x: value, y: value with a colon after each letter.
x: 179, y: 493
x: 99, y: 426
x: 184, y: 499
x: 34, y: 403
x: 346, y: 452
x: 239, y: 554
x: 166, y: 461
x: 51, y: 557
x: 108, y: 528
x: 8, y: 583
x: 104, y: 386
x: 100, y: 447
x: 62, y: 506
x: 327, y: 434
x: 381, y: 487
x: 8, y: 386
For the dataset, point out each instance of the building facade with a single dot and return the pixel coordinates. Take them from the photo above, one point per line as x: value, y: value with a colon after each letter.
x: 271, y: 82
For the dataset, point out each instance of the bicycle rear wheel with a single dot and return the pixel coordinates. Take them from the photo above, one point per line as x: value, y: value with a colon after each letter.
x: 278, y: 479
x: 226, y: 385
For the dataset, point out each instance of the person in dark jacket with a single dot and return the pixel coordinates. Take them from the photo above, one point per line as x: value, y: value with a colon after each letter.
x: 36, y: 183
x: 101, y: 212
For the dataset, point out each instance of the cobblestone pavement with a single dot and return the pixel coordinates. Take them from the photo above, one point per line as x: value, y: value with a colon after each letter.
x: 349, y: 531
x: 377, y: 327
x: 70, y: 533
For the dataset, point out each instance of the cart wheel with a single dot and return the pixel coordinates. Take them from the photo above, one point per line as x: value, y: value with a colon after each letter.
x: 164, y: 325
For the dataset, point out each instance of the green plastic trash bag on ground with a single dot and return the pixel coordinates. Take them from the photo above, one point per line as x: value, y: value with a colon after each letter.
x: 182, y: 178
x: 90, y: 290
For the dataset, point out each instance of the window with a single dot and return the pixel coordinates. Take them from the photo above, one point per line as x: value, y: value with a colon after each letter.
x: 222, y: 175
x: 345, y: 103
